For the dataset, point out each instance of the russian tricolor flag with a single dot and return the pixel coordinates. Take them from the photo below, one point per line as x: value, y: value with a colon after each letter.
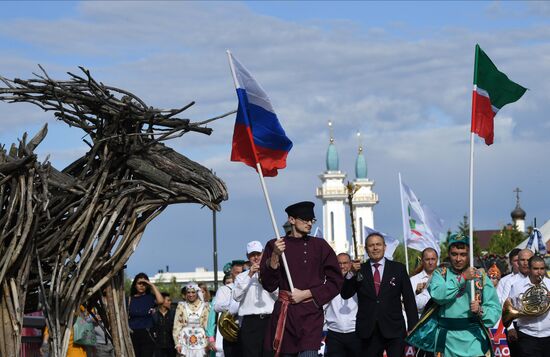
x: 258, y: 136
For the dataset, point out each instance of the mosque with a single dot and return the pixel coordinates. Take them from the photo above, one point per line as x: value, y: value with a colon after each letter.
x: 334, y: 195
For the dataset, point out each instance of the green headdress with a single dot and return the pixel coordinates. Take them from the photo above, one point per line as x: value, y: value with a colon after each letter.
x: 457, y: 238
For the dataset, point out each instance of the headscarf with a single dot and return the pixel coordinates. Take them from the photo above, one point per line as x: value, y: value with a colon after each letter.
x: 494, y: 272
x: 194, y: 286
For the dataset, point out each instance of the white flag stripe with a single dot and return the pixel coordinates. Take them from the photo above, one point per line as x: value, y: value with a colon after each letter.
x: 254, y: 91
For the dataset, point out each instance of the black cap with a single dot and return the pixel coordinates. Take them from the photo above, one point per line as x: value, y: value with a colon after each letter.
x: 302, y: 210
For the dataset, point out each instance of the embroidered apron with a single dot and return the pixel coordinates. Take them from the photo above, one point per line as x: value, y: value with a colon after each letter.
x: 192, y: 337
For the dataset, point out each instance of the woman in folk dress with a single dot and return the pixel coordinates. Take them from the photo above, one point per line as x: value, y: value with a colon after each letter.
x: 190, y: 324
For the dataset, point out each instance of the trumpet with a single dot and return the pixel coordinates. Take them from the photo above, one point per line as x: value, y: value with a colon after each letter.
x: 535, y: 301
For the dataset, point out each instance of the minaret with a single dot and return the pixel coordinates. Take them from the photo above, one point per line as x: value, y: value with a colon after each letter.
x: 363, y: 200
x: 518, y: 214
x: 333, y: 194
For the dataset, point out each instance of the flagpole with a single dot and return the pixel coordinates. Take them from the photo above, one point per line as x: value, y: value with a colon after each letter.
x: 262, y: 182
x: 471, y: 226
x: 471, y: 193
x: 404, y: 226
x: 273, y: 222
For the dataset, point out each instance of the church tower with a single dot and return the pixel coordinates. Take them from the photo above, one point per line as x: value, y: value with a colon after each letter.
x: 518, y: 214
x: 364, y: 199
x: 333, y: 194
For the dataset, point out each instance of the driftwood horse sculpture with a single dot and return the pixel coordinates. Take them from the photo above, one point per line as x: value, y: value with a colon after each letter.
x: 66, y: 235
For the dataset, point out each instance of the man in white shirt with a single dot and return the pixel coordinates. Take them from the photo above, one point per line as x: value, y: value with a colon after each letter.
x: 340, y: 317
x: 504, y: 285
x: 255, y: 304
x: 419, y: 282
x: 523, y: 271
x: 224, y: 302
x: 534, y: 332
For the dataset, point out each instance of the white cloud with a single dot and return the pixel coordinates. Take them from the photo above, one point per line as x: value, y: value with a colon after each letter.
x: 410, y: 98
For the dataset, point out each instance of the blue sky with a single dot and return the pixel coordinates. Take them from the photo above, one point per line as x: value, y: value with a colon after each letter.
x: 400, y: 72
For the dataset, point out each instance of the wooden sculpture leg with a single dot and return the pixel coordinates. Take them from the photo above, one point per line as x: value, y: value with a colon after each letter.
x: 118, y: 317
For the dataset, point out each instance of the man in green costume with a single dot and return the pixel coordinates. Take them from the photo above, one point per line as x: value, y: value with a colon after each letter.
x: 454, y: 325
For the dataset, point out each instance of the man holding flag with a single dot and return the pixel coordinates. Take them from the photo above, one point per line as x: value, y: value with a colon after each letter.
x: 259, y: 141
x: 457, y: 324
x: 296, y: 324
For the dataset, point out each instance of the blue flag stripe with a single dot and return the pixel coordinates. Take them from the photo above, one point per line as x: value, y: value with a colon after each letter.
x: 266, y: 129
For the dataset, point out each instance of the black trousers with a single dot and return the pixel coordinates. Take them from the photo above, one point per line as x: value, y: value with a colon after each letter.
x: 339, y: 344
x: 375, y: 345
x: 144, y: 345
x: 533, y: 346
x: 231, y: 349
x: 513, y: 345
x: 251, y: 335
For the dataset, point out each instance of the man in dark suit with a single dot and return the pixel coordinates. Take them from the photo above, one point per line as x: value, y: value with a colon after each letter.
x: 380, y: 284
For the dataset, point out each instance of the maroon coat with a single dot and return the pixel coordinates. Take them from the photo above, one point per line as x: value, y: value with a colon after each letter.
x: 313, y: 265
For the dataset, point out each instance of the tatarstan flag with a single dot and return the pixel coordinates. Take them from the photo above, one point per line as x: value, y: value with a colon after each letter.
x: 492, y: 91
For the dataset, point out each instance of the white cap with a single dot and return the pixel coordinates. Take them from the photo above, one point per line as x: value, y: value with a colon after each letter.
x: 254, y: 246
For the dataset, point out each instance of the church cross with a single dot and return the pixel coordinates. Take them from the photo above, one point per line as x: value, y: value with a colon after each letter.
x: 517, y: 191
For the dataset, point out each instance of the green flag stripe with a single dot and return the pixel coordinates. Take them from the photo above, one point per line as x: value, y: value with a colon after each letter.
x: 501, y: 90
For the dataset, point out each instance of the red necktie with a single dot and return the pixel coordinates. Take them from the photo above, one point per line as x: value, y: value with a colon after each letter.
x: 376, y: 278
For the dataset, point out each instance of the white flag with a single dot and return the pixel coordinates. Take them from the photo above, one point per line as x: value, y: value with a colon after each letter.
x: 391, y: 243
x: 421, y: 227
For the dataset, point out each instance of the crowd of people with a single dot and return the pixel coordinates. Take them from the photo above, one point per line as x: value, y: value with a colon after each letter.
x: 367, y: 309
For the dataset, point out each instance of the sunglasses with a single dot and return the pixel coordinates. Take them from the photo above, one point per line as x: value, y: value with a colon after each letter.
x: 312, y: 220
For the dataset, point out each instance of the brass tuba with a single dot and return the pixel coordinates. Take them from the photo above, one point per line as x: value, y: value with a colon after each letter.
x: 228, y: 326
x: 535, y: 301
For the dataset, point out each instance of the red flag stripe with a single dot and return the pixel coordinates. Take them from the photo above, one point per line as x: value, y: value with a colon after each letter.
x: 482, y: 117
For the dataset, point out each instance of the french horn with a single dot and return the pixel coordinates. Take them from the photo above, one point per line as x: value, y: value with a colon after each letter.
x: 228, y: 326
x: 535, y: 301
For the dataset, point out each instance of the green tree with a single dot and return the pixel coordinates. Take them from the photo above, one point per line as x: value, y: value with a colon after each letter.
x: 464, y: 228
x: 414, y: 257
x: 171, y: 287
x: 127, y: 284
x: 444, y: 252
x: 505, y: 240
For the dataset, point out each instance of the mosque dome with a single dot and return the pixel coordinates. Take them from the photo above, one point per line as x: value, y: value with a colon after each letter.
x: 332, y: 157
x: 360, y: 165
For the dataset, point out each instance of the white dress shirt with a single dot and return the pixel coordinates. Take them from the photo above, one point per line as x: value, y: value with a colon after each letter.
x: 533, y: 326
x: 382, y: 263
x: 224, y: 300
x: 504, y: 286
x: 340, y: 314
x: 423, y: 297
x: 253, y: 299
